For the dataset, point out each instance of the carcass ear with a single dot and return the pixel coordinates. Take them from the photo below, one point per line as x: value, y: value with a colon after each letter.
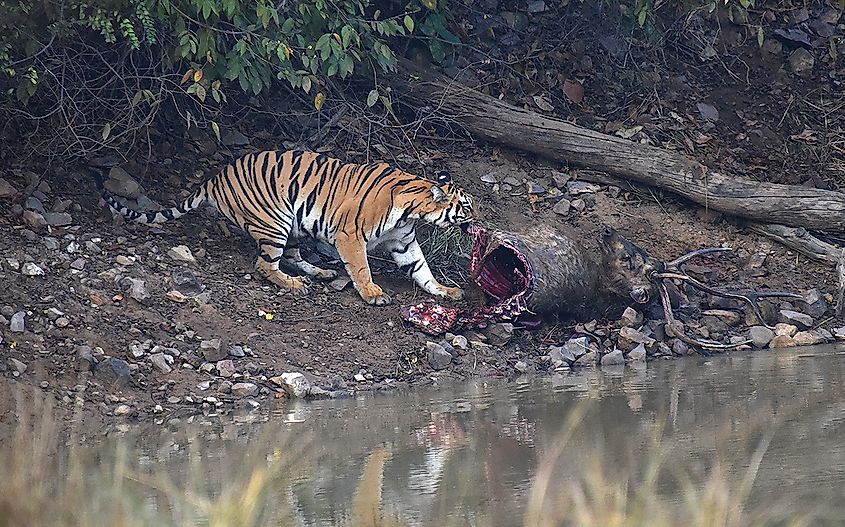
x: 438, y: 195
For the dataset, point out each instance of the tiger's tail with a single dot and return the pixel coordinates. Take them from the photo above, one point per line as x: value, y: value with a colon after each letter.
x: 197, y: 198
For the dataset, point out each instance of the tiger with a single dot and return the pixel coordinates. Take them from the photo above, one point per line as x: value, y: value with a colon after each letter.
x: 279, y: 198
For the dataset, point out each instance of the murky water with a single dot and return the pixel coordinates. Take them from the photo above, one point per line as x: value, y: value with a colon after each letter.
x: 476, y: 452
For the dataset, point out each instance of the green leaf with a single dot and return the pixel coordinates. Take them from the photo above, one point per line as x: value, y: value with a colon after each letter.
x: 306, y: 84
x: 106, y: 131
x: 216, y: 128
x: 372, y: 98
x: 760, y: 36
x: 641, y: 16
x: 409, y: 23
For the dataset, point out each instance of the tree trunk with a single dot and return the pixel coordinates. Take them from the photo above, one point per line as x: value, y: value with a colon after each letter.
x: 497, y: 121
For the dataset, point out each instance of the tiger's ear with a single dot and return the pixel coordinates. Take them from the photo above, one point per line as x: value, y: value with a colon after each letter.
x: 438, y: 195
x: 444, y: 178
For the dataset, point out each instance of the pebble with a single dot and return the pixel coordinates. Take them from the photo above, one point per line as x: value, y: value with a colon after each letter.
x: 499, y: 334
x: 6, y: 189
x: 31, y: 269
x: 85, y: 358
x: 225, y: 368
x: 162, y: 362
x: 631, y: 318
x: 760, y: 336
x: 244, y: 389
x: 125, y: 261
x: 122, y: 409
x: 587, y: 359
x: 78, y: 264
x: 17, y: 324
x: 62, y: 322
x: 562, y: 207
x: 808, y: 338
x: 630, y: 337
x: 795, y: 318
x: 237, y: 351
x: 138, y: 290
x: 801, y: 62
x: 114, y: 371
x: 814, y: 303
x: 212, y: 351
x: 16, y: 366
x: 460, y: 342
x: 293, y: 383
x: 181, y: 253
x: 782, y: 341
x: 521, y: 367
x: 785, y: 329
x: 637, y: 354
x: 121, y: 183
x: 731, y: 318
x: 613, y: 358
x: 438, y: 357
x: 839, y: 333
x: 576, y: 188
x: 34, y: 220
x: 58, y: 219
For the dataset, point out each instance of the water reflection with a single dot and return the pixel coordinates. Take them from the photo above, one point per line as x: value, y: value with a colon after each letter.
x: 499, y: 453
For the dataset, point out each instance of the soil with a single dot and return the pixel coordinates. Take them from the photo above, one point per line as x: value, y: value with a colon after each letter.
x: 337, y: 341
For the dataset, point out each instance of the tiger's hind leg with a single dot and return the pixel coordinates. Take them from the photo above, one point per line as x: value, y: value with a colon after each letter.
x: 271, y: 252
x: 293, y: 255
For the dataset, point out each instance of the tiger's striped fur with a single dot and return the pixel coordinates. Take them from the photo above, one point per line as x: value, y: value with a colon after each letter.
x: 281, y: 197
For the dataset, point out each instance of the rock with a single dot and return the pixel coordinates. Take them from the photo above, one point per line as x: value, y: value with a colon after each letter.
x: 796, y: 319
x: 629, y: 338
x: 17, y: 323
x: 730, y: 318
x: 438, y: 357
x: 587, y: 359
x: 225, y: 368
x: 499, y: 334
x: 460, y: 342
x: 293, y: 383
x: 16, y: 366
x: 176, y: 296
x: 121, y: 183
x: 78, y: 264
x: 614, y: 357
x: 244, y: 389
x: 760, y: 336
x: 708, y: 111
x: 234, y: 138
x: 560, y: 179
x: 637, y: 354
x: 782, y: 341
x: 85, y: 360
x: 6, y: 189
x: 34, y: 220
x: 579, y: 205
x: 212, y: 351
x: 521, y: 367
x: 340, y: 283
x: 224, y: 387
x: 561, y: 355
x: 839, y: 333
x: 631, y: 318
x: 114, y: 371
x: 576, y: 188
x: 33, y: 203
x: 532, y: 187
x: 122, y: 409
x: 562, y: 207
x: 125, y: 261
x: 808, y: 338
x: 138, y: 290
x: 490, y: 178
x: 785, y: 329
x: 58, y: 219
x: 813, y: 303
x: 680, y: 348
x: 801, y: 62
x: 31, y: 269
x: 186, y: 282
x: 181, y: 253
x: 237, y: 351
x: 62, y: 322
x: 162, y: 362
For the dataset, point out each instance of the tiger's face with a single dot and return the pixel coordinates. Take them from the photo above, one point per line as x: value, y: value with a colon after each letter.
x: 450, y: 205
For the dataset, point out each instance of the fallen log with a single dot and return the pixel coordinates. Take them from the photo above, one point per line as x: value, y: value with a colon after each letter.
x: 491, y: 119
x: 799, y: 239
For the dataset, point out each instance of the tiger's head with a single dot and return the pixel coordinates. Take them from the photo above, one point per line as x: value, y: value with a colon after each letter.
x: 449, y: 205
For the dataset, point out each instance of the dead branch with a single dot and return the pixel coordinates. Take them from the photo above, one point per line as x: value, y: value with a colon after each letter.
x: 799, y: 239
x: 497, y: 121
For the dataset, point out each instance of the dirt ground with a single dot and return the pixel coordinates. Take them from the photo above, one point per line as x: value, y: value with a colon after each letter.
x: 337, y: 341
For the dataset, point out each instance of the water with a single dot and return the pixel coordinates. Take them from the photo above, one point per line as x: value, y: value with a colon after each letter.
x: 477, y: 453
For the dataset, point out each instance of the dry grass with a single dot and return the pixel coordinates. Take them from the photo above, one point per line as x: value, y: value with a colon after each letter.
x: 45, y: 482
x: 447, y: 252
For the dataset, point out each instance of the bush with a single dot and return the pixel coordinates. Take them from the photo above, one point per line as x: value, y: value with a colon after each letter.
x: 121, y: 59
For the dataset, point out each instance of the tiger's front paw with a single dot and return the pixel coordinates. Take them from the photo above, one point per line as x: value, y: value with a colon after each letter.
x: 374, y: 295
x: 300, y: 286
x: 452, y: 293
